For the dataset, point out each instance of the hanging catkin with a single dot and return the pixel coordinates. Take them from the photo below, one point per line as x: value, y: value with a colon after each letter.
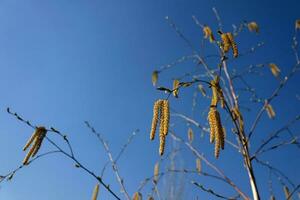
x: 155, y: 118
x: 95, y: 192
x: 233, y: 45
x: 208, y: 33
x: 225, y: 42
x: 216, y: 130
x: 190, y: 135
x: 175, y: 88
x: 37, y: 139
x: 154, y: 77
x: 161, y: 114
x: 287, y: 193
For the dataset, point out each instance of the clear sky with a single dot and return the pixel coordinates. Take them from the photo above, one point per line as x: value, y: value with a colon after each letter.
x: 64, y: 62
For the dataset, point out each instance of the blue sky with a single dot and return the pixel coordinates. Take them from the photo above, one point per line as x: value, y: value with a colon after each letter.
x: 64, y: 62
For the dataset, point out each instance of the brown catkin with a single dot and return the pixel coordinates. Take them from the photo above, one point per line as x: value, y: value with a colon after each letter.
x: 225, y: 42
x: 286, y: 192
x: 198, y: 165
x: 162, y: 141
x: 190, y: 135
x: 154, y: 77
x: 270, y: 111
x: 297, y: 24
x: 208, y: 33
x: 95, y: 192
x: 150, y: 198
x: 216, y: 129
x: 253, y: 27
x: 223, y: 137
x: 137, y: 196
x: 274, y: 69
x: 155, y: 118
x: 233, y: 45
x: 175, y: 88
x: 156, y: 172
x: 37, y: 139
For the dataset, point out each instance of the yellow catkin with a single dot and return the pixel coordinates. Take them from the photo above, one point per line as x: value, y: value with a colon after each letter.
x: 216, y: 130
x: 190, y: 135
x: 208, y: 33
x: 155, y: 119
x: 137, y: 196
x: 215, y: 96
x: 175, y: 88
x: 31, y: 139
x: 237, y: 115
x: 286, y: 192
x: 225, y: 42
x: 274, y: 69
x: 156, y: 172
x: 202, y: 90
x: 297, y: 24
x: 166, y: 116
x: 162, y: 141
x: 270, y: 111
x: 198, y: 165
x: 95, y: 192
x: 253, y: 27
x: 154, y: 77
x: 217, y: 93
x: 38, y: 137
x: 233, y: 45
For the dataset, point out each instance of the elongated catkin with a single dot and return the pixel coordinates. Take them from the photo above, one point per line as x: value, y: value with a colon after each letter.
x: 156, y: 172
x: 274, y: 69
x: 190, y: 135
x: 233, y: 45
x: 175, y: 88
x: 37, y: 139
x: 155, y: 118
x: 225, y: 42
x: 95, y: 192
x: 198, y: 165
x: 216, y: 130
x: 270, y: 111
x: 154, y: 77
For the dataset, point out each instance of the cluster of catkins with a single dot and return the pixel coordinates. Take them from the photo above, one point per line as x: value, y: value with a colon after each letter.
x: 161, y: 115
x: 37, y: 139
x: 217, y: 132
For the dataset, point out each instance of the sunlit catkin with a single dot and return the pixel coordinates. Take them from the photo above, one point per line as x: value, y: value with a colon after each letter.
x: 166, y: 116
x: 155, y: 118
x: 37, y: 139
x: 208, y: 33
x: 156, y: 172
x: 95, y: 192
x: 287, y: 193
x: 233, y: 45
x: 176, y: 88
x: 154, y: 77
x: 137, y: 196
x: 215, y: 96
x: 274, y: 69
x: 216, y: 130
x: 198, y: 165
x: 253, y: 27
x: 225, y: 42
x: 270, y: 111
x: 190, y: 135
